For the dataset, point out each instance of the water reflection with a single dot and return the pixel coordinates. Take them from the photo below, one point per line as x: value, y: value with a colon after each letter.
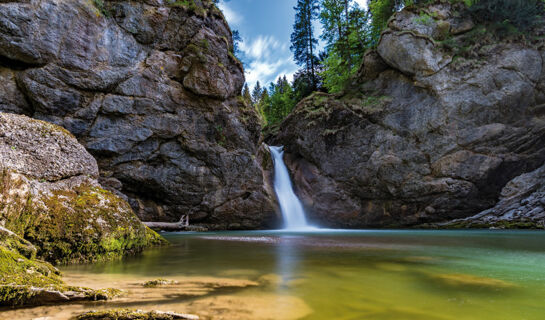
x: 287, y: 259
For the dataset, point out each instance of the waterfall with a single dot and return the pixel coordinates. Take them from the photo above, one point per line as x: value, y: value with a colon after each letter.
x: 290, y: 205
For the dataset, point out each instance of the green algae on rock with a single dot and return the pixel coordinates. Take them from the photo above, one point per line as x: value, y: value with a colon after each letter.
x: 49, y: 195
x: 27, y: 281
x: 158, y: 282
x: 126, y: 314
x: 102, y: 224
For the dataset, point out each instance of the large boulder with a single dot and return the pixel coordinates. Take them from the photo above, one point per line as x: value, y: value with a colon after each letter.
x: 521, y: 205
x: 50, y: 196
x: 28, y: 281
x: 150, y: 89
x: 417, y: 138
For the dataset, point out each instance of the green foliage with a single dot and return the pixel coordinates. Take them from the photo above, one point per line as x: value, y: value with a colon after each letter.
x: 424, y: 19
x: 189, y: 5
x: 100, y: 5
x: 347, y: 33
x: 523, y: 14
x: 303, y: 41
x: 280, y: 101
x: 237, y: 40
x: 336, y: 74
x: 381, y: 11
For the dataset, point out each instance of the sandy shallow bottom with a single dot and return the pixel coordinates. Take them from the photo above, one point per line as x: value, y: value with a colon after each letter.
x: 352, y: 275
x: 207, y: 297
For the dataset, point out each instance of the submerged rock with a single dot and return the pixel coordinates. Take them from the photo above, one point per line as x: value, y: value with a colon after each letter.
x: 158, y: 283
x: 49, y: 195
x: 471, y: 281
x: 419, y: 137
x: 150, y: 89
x: 126, y: 314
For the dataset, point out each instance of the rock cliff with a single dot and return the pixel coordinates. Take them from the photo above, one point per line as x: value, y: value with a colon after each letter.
x: 521, y: 205
x: 150, y: 88
x: 52, y: 208
x: 442, y: 115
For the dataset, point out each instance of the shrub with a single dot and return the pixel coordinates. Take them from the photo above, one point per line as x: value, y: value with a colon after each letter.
x: 523, y: 14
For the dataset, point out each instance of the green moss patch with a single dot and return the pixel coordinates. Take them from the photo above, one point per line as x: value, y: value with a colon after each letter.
x: 125, y: 314
x: 158, y: 282
x: 87, y: 224
x: 83, y: 224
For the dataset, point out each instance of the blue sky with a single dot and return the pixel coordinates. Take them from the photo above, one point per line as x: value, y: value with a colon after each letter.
x: 265, y: 27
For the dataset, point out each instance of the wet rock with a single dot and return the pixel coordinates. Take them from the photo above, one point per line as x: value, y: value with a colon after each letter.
x: 135, y: 314
x: 158, y: 283
x: 471, y: 281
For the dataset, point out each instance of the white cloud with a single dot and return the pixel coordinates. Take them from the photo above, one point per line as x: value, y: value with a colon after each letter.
x: 233, y: 18
x: 362, y: 3
x: 267, y: 59
x: 263, y: 71
x: 262, y: 47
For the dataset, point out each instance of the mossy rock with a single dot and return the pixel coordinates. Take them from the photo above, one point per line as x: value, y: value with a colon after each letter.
x: 158, y: 283
x: 87, y: 224
x: 72, y: 222
x: 27, y: 281
x: 125, y: 314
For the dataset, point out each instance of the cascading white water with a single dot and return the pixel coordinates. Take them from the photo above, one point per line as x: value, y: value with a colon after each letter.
x: 290, y: 205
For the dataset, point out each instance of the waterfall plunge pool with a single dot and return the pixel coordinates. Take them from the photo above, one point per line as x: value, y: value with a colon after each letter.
x: 378, y: 275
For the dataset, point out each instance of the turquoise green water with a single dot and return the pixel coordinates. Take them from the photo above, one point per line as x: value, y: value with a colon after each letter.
x: 366, y: 274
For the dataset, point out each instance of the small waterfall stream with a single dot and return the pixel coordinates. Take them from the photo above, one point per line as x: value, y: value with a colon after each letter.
x: 291, y: 207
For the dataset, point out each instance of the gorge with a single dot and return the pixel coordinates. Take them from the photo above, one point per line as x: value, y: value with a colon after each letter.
x: 117, y: 112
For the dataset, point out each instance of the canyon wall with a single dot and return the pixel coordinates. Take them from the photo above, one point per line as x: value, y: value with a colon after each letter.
x: 150, y: 88
x: 441, y: 116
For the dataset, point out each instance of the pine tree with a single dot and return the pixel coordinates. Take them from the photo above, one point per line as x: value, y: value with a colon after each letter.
x: 303, y: 42
x: 256, y: 93
x: 246, y: 95
x: 346, y: 31
x: 237, y: 40
x: 335, y: 20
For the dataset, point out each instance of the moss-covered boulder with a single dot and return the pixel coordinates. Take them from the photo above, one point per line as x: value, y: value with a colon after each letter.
x: 49, y: 195
x: 27, y: 281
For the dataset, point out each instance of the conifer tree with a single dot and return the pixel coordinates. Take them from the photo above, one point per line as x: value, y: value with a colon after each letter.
x: 256, y: 93
x: 246, y: 95
x: 303, y: 41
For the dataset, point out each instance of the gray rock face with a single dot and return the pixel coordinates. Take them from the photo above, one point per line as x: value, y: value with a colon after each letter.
x: 150, y: 89
x: 418, y: 142
x: 522, y: 205
x: 411, y: 54
x: 41, y: 150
